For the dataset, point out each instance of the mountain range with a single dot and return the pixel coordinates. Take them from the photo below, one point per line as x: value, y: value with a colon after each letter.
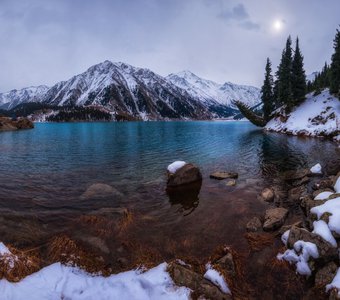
x: 139, y: 93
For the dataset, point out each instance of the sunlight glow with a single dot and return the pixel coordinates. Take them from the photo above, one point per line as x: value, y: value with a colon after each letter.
x: 277, y: 25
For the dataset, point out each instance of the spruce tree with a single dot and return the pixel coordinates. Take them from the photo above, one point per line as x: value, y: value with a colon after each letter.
x: 267, y: 95
x: 335, y: 66
x: 298, y: 77
x: 284, y: 75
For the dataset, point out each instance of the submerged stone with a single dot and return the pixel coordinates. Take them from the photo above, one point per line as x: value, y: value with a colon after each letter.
x: 100, y: 190
x: 223, y: 175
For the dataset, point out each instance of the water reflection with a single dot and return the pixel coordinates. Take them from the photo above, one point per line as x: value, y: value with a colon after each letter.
x: 187, y: 197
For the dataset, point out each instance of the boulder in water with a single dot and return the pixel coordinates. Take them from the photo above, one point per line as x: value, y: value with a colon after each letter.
x: 100, y: 190
x: 181, y: 173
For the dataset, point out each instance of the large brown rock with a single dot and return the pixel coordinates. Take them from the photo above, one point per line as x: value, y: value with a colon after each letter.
x: 274, y: 218
x: 184, y: 175
x: 183, y: 276
x: 326, y: 251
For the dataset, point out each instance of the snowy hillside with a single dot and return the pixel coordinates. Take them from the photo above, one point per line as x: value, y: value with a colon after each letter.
x: 15, y: 97
x: 207, y: 90
x: 316, y: 116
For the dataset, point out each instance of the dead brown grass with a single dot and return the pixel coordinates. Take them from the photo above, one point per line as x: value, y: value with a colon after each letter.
x: 106, y: 227
x: 67, y: 251
x: 18, y: 265
x: 125, y: 221
x: 258, y: 241
x: 99, y: 225
x: 142, y: 255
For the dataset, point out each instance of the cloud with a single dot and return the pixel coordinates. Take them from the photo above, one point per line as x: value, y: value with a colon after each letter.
x: 239, y: 14
x: 250, y: 25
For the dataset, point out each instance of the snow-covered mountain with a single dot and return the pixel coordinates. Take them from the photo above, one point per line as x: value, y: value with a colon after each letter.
x: 209, y: 91
x: 127, y: 90
x: 139, y: 93
x: 13, y: 98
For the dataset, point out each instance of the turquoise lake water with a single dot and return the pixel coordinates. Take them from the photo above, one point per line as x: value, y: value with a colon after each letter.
x: 44, y: 172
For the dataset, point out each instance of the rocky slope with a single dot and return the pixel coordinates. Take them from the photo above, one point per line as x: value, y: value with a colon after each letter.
x: 138, y: 93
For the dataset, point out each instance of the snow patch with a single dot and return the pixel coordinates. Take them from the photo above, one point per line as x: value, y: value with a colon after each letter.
x: 323, y: 196
x: 316, y: 169
x: 300, y: 256
x: 337, y: 185
x: 335, y: 283
x: 63, y: 282
x: 321, y: 228
x: 4, y: 250
x: 172, y: 168
x: 216, y: 278
x: 284, y: 237
x: 333, y: 207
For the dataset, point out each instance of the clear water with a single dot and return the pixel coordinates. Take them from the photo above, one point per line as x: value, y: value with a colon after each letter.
x: 57, y: 162
x: 44, y: 172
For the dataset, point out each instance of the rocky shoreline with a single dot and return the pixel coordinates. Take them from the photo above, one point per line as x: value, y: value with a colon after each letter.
x: 15, y: 124
x: 312, y: 240
x: 223, y: 273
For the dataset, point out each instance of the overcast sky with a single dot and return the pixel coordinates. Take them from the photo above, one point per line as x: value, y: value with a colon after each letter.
x: 46, y: 41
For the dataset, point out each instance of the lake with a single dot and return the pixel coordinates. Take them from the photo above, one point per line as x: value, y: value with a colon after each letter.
x: 45, y: 171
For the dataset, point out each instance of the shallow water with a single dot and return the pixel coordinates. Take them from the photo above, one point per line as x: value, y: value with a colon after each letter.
x: 44, y: 172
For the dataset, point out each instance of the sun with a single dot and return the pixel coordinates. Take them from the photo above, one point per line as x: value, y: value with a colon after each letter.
x: 277, y: 25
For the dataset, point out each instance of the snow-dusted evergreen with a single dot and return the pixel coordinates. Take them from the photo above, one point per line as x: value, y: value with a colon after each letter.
x: 139, y: 93
x: 13, y: 98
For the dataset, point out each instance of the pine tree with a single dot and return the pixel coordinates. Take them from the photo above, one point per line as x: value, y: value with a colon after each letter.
x: 335, y: 66
x: 284, y: 76
x: 267, y: 95
x: 298, y: 78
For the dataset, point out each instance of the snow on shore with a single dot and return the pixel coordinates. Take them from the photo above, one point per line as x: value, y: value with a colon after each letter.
x: 316, y: 116
x: 63, y: 282
x: 302, y: 251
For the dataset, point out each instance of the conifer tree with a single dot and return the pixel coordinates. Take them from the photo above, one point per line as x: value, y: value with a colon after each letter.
x: 298, y: 78
x: 267, y: 95
x: 335, y: 66
x: 284, y: 76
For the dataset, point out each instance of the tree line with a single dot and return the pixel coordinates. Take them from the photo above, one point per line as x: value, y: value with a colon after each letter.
x: 289, y: 87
